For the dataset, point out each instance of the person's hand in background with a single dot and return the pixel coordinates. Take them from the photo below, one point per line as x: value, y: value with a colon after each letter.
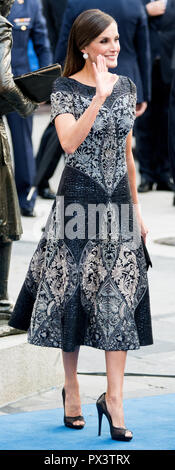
x: 156, y: 8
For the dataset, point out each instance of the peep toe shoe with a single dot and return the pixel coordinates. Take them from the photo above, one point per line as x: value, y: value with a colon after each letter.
x: 70, y: 421
x: 117, y: 434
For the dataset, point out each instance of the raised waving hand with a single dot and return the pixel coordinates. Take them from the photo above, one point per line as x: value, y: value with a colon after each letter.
x: 105, y: 80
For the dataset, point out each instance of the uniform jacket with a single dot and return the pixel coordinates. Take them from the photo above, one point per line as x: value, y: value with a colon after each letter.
x: 53, y: 11
x: 10, y: 221
x: 29, y: 23
x: 134, y: 57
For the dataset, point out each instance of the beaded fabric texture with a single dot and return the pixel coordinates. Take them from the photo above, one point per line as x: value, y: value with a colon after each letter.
x: 89, y: 290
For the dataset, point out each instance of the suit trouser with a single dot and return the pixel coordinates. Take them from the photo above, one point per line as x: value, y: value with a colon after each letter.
x: 151, y: 132
x: 5, y: 257
x: 171, y: 133
x: 51, y: 150
x: 24, y: 162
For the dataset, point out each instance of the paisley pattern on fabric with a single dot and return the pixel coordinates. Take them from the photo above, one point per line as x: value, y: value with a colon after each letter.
x: 91, y: 290
x: 104, y: 162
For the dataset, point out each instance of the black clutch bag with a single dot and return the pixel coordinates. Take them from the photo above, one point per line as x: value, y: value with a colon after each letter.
x: 147, y: 256
x: 36, y: 86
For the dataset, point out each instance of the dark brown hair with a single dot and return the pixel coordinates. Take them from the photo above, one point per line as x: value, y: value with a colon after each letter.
x: 87, y: 26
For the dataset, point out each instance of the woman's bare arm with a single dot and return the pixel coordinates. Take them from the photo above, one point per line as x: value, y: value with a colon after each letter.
x: 132, y: 182
x: 72, y: 133
x: 131, y: 168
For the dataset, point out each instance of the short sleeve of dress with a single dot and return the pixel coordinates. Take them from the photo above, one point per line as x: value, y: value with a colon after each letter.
x: 61, y: 98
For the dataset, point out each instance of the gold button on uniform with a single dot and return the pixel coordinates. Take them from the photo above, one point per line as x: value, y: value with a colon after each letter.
x: 21, y: 1
x: 23, y: 28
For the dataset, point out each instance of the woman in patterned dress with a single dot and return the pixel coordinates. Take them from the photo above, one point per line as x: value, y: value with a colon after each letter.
x: 87, y: 281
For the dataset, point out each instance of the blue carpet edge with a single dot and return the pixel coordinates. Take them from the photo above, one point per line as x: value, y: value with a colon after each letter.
x: 151, y: 418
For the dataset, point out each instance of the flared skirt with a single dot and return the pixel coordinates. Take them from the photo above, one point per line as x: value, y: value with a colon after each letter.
x: 87, y: 280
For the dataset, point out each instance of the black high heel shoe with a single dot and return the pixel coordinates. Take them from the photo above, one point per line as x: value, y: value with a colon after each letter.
x: 70, y: 420
x: 117, y: 434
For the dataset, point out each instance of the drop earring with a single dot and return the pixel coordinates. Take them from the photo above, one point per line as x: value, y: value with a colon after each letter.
x: 85, y: 55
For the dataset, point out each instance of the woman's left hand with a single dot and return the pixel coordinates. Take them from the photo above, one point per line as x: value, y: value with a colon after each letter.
x: 143, y: 227
x: 144, y: 230
x: 141, y: 108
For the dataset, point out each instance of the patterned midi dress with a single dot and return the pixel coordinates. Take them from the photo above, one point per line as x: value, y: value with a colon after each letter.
x: 87, y: 280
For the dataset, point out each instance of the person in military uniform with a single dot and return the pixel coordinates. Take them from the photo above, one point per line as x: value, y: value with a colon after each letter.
x: 12, y: 99
x: 53, y: 11
x: 28, y: 23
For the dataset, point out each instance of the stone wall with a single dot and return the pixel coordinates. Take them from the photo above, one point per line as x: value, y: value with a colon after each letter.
x: 26, y: 369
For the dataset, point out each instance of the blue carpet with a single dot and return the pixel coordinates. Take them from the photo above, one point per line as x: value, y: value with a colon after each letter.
x: 152, y: 420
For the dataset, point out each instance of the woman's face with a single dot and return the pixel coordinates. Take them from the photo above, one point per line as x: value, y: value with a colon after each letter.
x: 106, y: 44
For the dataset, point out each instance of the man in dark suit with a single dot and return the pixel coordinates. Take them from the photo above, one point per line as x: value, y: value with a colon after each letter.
x: 53, y: 11
x: 28, y: 22
x: 151, y: 129
x: 166, y: 30
x: 134, y: 57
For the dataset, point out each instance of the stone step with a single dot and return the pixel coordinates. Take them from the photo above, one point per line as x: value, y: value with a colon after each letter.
x: 6, y: 330
x: 26, y: 369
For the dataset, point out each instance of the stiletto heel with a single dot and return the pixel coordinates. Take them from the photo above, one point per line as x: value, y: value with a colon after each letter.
x: 100, y: 416
x: 117, y: 434
x: 70, y: 420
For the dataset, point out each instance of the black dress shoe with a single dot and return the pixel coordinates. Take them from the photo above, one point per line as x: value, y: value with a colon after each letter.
x: 145, y: 186
x: 46, y: 193
x: 166, y: 185
x: 28, y: 212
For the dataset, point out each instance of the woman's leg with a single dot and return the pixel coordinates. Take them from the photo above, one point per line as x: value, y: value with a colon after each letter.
x: 115, y: 366
x: 72, y: 401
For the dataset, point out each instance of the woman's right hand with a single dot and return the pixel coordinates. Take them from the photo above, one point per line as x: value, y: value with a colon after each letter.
x: 104, y: 80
